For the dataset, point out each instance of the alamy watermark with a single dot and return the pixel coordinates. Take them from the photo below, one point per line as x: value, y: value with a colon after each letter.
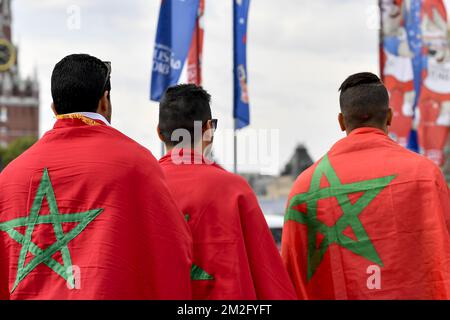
x: 259, y: 148
x: 73, y: 278
x: 73, y: 21
x: 374, y: 279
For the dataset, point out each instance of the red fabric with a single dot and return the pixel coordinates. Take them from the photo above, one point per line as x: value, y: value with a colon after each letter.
x: 407, y: 223
x: 232, y: 241
x: 139, y: 247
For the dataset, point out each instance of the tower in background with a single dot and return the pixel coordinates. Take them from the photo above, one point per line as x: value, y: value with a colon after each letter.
x: 19, y: 98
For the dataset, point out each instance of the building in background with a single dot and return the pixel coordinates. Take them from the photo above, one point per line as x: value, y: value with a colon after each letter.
x: 273, y: 191
x: 19, y: 98
x: 299, y: 162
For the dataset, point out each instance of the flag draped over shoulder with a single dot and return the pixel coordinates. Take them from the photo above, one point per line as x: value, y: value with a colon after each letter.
x: 235, y: 256
x: 360, y: 228
x: 86, y: 214
x: 416, y: 70
x: 241, y: 96
x: 177, y: 22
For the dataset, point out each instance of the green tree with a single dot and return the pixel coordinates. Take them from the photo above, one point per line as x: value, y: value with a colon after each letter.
x: 15, y: 149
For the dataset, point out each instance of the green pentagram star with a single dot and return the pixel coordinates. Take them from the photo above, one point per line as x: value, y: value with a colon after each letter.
x: 62, y: 239
x: 334, y: 234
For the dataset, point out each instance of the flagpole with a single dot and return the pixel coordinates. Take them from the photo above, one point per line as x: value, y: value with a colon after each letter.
x: 381, y: 42
x: 234, y: 92
x: 235, y: 146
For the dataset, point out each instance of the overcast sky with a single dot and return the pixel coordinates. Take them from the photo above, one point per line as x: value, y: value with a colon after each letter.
x: 299, y: 51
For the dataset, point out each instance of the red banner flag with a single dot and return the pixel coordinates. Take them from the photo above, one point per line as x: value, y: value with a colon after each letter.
x: 194, y: 66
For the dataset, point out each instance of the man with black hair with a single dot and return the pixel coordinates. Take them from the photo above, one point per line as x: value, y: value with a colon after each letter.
x: 235, y: 256
x: 370, y: 220
x: 85, y: 213
x: 181, y: 109
x: 91, y: 95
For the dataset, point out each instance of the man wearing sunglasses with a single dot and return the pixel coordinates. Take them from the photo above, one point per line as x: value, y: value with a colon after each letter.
x: 235, y: 256
x: 85, y: 213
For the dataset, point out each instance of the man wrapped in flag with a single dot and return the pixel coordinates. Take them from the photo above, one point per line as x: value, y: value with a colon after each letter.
x: 235, y: 256
x: 370, y: 220
x: 85, y: 213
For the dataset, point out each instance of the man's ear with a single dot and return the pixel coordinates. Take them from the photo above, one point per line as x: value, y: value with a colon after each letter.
x: 54, y: 109
x: 342, y: 122
x: 208, y: 132
x: 103, y: 104
x: 158, y: 130
x: 390, y: 116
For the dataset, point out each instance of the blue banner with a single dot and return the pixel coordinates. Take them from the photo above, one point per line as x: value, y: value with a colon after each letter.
x: 176, y: 25
x: 414, y: 34
x: 241, y: 98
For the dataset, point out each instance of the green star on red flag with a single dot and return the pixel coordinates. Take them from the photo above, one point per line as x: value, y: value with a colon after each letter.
x: 363, y: 245
x: 56, y: 219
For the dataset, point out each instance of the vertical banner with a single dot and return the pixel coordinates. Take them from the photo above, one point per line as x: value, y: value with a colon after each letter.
x: 177, y: 20
x: 194, y: 66
x: 416, y: 70
x: 412, y: 15
x: 434, y: 102
x: 397, y: 69
x: 241, y: 97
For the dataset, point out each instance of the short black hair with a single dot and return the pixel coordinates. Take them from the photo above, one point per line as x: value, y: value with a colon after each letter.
x: 364, y: 101
x: 78, y: 83
x: 180, y: 107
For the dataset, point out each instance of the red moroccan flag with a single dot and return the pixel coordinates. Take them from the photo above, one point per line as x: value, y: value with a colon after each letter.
x: 370, y: 220
x: 195, y: 57
x: 235, y: 256
x: 86, y: 214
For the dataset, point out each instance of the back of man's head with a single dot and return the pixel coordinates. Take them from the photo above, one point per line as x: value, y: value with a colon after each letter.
x: 180, y: 107
x: 78, y: 83
x: 364, y: 102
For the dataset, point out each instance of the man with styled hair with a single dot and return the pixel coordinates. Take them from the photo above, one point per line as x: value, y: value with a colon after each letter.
x: 370, y: 220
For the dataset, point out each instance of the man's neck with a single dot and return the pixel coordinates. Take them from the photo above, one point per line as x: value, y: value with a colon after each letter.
x: 95, y: 116
x: 196, y: 149
x: 384, y: 129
